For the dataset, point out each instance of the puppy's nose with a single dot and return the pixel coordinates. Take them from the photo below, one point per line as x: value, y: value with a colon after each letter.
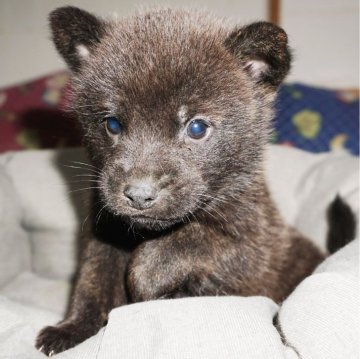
x: 141, y: 195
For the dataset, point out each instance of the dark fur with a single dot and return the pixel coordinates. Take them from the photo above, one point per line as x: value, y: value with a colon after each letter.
x: 214, y: 229
x: 342, y: 225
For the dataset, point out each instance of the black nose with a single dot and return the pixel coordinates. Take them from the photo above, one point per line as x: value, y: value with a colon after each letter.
x: 141, y: 195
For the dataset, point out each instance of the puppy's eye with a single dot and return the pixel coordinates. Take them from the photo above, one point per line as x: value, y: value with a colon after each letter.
x: 113, y: 125
x: 197, y: 129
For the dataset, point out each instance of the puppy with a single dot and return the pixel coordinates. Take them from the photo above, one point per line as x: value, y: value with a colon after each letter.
x: 175, y: 109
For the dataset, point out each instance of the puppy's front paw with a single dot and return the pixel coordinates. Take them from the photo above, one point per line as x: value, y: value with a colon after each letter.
x: 53, y: 340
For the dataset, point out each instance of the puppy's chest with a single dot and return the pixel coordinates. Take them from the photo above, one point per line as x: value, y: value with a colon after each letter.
x: 187, y: 267
x: 156, y: 256
x: 156, y: 268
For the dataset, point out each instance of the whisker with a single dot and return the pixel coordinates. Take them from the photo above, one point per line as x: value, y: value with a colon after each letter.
x: 191, y: 224
x: 85, y: 164
x: 83, y: 168
x: 206, y: 205
x: 85, y: 175
x: 206, y: 211
x: 84, y: 181
x: 217, y: 212
x: 84, y: 189
x: 83, y: 224
x: 216, y: 199
x: 97, y: 218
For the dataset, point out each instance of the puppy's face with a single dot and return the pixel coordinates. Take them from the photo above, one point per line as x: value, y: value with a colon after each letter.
x: 175, y: 108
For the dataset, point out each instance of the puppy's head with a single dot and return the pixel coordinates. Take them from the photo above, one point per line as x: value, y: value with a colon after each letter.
x: 175, y: 107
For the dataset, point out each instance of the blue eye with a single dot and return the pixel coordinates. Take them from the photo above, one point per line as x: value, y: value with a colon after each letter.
x: 113, y: 125
x: 197, y: 129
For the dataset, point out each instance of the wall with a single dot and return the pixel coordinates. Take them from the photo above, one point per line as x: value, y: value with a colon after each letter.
x: 325, y: 38
x: 324, y: 34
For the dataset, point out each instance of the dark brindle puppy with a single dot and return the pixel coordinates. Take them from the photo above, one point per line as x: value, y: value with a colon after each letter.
x: 175, y: 109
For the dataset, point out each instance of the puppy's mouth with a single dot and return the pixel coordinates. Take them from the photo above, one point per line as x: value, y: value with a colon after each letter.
x: 146, y: 219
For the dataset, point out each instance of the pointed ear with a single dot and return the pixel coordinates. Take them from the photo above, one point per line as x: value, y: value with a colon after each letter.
x: 75, y: 33
x: 262, y: 50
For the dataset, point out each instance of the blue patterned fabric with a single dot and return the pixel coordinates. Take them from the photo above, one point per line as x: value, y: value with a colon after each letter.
x: 316, y: 119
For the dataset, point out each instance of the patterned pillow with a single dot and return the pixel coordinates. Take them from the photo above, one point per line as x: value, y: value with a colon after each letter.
x: 317, y: 120
x: 30, y: 117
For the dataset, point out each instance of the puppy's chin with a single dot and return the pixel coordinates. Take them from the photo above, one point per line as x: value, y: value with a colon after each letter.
x: 149, y: 223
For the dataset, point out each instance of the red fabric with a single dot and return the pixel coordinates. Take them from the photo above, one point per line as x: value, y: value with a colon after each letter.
x: 32, y: 116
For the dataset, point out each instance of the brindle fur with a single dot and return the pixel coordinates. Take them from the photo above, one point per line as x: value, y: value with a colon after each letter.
x: 214, y: 230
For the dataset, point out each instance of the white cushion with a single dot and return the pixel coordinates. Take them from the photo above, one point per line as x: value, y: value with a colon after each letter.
x: 14, y: 239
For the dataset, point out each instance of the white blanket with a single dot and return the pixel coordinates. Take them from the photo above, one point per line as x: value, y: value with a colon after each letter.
x: 39, y: 222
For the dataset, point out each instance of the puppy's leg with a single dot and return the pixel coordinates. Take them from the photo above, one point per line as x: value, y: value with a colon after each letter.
x: 99, y: 288
x: 175, y: 268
